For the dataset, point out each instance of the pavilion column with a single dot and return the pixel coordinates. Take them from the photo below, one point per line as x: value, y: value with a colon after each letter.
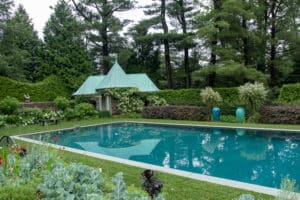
x: 108, y: 103
x: 99, y: 105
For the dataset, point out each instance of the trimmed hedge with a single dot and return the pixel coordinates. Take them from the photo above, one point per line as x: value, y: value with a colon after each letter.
x: 290, y: 92
x: 176, y: 112
x: 191, y: 97
x: 280, y: 115
x: 46, y: 90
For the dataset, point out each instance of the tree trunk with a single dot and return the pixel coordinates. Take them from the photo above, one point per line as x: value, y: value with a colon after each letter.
x: 272, y: 69
x: 186, y: 49
x: 166, y: 46
x: 105, y: 50
x: 245, y: 44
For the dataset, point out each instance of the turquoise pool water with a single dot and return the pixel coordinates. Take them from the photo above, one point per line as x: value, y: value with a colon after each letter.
x: 252, y: 156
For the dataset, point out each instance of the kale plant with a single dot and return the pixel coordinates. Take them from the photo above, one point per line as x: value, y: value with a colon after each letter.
x: 75, y: 181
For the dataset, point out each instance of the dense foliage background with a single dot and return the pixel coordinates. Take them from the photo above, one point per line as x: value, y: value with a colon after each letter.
x: 180, y: 44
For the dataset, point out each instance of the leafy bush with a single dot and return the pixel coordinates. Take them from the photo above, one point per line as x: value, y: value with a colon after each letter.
x: 13, y: 119
x: 24, y: 192
x: 2, y: 121
x: 176, y: 112
x: 191, y: 97
x: 127, y: 101
x: 280, y: 114
x: 75, y: 181
x: 84, y: 110
x: 9, y: 105
x: 103, y: 113
x: 47, y: 90
x: 228, y: 118
x: 62, y: 103
x: 156, y: 101
x: 290, y: 92
x: 288, y: 190
x: 253, y: 94
x: 210, y: 97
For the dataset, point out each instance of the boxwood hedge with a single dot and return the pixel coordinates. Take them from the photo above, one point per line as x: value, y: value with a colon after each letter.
x: 191, y: 97
x: 290, y: 92
x: 46, y: 90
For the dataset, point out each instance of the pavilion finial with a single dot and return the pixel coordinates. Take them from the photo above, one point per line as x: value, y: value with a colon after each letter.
x: 116, y: 58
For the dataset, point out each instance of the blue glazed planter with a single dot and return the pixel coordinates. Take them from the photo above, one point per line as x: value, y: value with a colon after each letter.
x: 216, y: 111
x: 240, y: 114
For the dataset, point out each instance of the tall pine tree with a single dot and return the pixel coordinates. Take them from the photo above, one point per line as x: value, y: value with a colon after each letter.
x: 102, y: 27
x: 66, y: 53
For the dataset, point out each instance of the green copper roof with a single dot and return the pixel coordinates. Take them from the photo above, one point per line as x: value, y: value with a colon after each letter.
x: 116, y: 78
x: 89, y: 85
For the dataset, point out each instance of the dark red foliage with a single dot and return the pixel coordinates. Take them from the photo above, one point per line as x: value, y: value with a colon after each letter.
x: 280, y: 115
x: 176, y: 112
x: 1, y: 159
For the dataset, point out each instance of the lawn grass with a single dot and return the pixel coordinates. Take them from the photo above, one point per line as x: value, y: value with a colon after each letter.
x: 175, y: 187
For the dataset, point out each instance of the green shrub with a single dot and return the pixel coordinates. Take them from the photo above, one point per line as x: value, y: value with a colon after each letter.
x: 290, y: 92
x: 30, y: 112
x: 191, y: 97
x: 75, y: 181
x: 156, y: 101
x: 103, y: 113
x: 210, y: 97
x: 62, y: 103
x: 13, y: 119
x: 84, y: 110
x: 253, y: 95
x: 127, y: 100
x: 228, y: 118
x: 46, y: 90
x: 24, y: 192
x: 9, y: 105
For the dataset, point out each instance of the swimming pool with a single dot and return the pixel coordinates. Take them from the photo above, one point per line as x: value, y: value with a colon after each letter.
x: 259, y: 157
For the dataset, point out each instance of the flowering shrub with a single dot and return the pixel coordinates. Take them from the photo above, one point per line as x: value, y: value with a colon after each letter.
x: 156, y: 101
x: 128, y: 102
x: 84, y: 110
x: 210, y: 97
x: 253, y: 94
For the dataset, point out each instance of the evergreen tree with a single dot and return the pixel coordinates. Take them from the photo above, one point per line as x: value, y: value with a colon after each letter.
x: 183, y: 11
x: 66, y: 53
x: 103, y: 27
x: 20, y: 47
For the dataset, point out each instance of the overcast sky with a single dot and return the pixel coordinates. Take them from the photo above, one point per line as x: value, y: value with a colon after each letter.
x: 39, y: 11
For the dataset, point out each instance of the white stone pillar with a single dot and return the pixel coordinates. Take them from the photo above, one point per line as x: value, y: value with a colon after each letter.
x: 108, y: 103
x: 99, y: 102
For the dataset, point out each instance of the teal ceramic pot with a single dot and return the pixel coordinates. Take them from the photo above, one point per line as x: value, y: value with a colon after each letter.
x: 216, y: 111
x: 240, y: 114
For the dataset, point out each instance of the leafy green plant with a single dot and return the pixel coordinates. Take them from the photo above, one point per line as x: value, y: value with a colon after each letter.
x: 288, y: 189
x: 156, y: 101
x: 84, y: 110
x: 46, y: 90
x: 62, y: 103
x: 119, y: 192
x: 8, y: 105
x: 253, y: 95
x: 75, y: 181
x: 128, y: 102
x: 228, y: 118
x: 210, y: 97
x: 103, y: 113
x: 290, y: 92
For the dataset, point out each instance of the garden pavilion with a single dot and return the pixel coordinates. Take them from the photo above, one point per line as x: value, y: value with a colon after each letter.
x: 94, y: 86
